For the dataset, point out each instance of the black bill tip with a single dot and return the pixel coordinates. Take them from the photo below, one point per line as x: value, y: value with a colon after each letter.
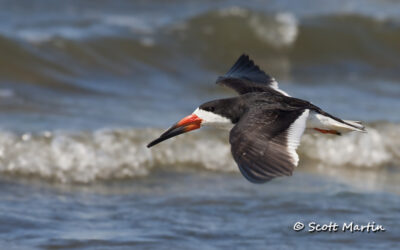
x: 173, y: 131
x: 156, y: 141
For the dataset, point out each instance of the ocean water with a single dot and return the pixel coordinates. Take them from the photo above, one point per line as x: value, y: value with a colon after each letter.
x: 85, y: 85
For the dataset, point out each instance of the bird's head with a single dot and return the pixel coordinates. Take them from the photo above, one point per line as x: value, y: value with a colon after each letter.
x: 214, y: 113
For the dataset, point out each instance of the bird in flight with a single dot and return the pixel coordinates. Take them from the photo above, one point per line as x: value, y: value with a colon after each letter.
x: 265, y: 123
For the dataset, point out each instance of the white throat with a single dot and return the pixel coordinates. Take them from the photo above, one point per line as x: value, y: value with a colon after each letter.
x: 211, y: 119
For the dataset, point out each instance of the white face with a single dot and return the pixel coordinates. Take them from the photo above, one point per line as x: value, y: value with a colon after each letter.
x: 212, y: 119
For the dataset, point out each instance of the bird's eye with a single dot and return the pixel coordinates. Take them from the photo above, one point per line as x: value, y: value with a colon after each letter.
x: 211, y: 109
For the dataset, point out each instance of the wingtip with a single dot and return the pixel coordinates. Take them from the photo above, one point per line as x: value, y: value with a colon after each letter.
x: 244, y: 55
x: 244, y: 58
x: 247, y: 57
x: 363, y: 129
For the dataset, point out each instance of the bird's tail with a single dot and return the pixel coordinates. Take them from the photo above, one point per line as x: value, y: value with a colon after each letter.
x: 329, y: 124
x: 356, y: 125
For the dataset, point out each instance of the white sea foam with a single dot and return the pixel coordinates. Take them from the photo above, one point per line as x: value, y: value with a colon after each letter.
x: 113, y: 154
x: 234, y: 11
x: 104, y: 154
x: 42, y: 35
x: 99, y: 26
x: 281, y: 31
x: 278, y: 30
x: 378, y: 147
x: 134, y: 23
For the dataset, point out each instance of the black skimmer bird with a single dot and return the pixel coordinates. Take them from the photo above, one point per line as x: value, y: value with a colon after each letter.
x: 266, y: 123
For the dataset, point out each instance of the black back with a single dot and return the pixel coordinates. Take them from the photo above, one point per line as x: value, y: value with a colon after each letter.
x: 235, y: 108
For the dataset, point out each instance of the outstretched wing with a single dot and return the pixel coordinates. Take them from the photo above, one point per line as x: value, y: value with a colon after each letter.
x: 264, y: 143
x: 245, y: 77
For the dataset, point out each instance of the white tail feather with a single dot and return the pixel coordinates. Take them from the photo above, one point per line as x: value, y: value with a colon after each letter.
x: 357, y: 124
x: 323, y: 122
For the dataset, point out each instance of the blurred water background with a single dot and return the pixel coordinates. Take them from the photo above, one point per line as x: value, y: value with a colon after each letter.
x: 85, y: 85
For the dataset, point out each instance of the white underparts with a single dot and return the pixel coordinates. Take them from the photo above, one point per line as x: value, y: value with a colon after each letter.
x: 211, y: 119
x: 295, y: 132
x: 310, y: 120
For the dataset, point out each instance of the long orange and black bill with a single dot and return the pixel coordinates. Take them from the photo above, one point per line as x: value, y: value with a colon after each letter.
x: 187, y: 124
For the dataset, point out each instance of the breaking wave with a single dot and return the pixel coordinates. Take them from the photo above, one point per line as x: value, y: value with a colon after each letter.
x: 111, y: 42
x: 84, y: 157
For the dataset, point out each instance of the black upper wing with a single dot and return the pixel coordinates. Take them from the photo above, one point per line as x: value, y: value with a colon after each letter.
x: 245, y: 77
x: 264, y: 142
